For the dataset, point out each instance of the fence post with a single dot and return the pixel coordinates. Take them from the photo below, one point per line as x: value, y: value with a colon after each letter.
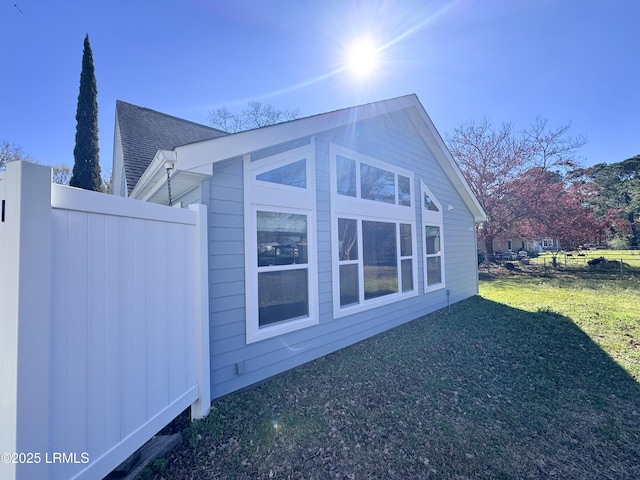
x: 24, y: 317
x: 202, y: 406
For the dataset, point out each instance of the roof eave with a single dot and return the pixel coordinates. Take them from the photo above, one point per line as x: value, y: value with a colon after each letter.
x: 237, y: 144
x: 252, y: 140
x: 152, y: 186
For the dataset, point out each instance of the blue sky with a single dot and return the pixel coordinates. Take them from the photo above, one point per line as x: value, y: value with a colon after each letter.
x: 571, y: 61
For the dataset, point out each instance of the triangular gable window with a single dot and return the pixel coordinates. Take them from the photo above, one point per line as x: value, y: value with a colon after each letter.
x: 429, y: 204
x: 293, y: 175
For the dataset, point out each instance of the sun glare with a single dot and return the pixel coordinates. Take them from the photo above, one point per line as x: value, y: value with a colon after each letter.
x: 363, y: 58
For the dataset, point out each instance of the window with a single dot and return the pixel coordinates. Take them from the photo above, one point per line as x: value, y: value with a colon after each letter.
x: 282, y: 267
x: 293, y: 174
x: 433, y: 252
x: 371, y: 180
x: 346, y: 176
x: 377, y: 184
x: 547, y: 243
x: 280, y: 245
x: 373, y: 233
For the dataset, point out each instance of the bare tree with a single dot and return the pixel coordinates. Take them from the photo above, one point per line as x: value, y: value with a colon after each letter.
x: 10, y: 152
x: 107, y: 181
x: 256, y: 115
x: 61, y: 174
x: 554, y: 148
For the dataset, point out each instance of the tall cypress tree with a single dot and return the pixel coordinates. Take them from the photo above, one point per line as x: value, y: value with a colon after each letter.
x: 86, y: 168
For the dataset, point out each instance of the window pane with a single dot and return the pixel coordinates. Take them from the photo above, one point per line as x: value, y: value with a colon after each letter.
x: 347, y: 239
x: 432, y: 236
x: 380, y: 259
x: 346, y: 173
x: 282, y: 238
x: 294, y: 175
x: 282, y: 295
x: 430, y: 204
x: 404, y: 191
x: 433, y: 270
x: 406, y: 245
x: 377, y: 184
x: 407, y: 275
x: 348, y: 284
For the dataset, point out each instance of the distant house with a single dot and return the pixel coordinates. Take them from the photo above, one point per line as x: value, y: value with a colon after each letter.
x: 323, y: 231
x: 538, y: 245
x: 514, y: 245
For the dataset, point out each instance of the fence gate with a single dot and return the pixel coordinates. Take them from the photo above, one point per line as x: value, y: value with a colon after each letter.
x: 104, y: 327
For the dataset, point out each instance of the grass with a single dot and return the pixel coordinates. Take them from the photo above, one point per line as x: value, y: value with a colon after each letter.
x: 534, y: 378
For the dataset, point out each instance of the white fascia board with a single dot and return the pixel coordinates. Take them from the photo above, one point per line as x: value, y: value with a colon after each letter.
x: 152, y: 177
x: 432, y: 137
x: 198, y: 155
x: 211, y: 151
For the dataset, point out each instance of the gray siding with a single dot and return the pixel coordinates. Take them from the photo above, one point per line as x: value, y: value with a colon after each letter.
x: 391, y: 139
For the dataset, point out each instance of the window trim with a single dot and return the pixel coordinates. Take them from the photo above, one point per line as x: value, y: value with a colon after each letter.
x: 360, y: 209
x: 432, y: 219
x: 278, y: 198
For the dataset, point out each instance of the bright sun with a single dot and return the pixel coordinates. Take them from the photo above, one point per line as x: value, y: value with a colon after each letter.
x: 363, y: 57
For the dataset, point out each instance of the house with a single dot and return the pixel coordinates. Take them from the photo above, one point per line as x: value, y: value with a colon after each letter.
x: 323, y: 231
x: 514, y: 245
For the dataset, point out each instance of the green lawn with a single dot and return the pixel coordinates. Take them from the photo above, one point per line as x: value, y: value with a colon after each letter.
x: 607, y: 311
x: 535, y: 378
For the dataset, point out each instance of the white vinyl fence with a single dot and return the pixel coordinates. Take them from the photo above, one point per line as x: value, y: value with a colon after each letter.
x: 104, y: 325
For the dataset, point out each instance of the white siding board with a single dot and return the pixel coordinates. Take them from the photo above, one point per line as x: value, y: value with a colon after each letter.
x: 114, y: 276
x: 96, y: 348
x: 60, y: 303
x: 76, y: 327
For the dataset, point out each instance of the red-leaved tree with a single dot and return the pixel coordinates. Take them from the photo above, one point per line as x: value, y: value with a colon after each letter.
x: 518, y: 179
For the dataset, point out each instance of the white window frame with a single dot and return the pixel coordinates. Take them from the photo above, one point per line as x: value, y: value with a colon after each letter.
x: 360, y: 209
x: 279, y: 198
x: 432, y: 219
x: 548, y: 242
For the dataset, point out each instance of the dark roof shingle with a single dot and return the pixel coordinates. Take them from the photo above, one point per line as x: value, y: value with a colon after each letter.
x: 144, y: 131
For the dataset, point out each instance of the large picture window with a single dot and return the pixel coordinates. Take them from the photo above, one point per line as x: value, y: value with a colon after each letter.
x: 374, y: 244
x: 379, y: 258
x: 280, y: 245
x: 433, y: 252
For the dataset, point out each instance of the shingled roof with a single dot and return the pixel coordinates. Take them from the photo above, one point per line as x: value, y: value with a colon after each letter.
x: 144, y: 131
